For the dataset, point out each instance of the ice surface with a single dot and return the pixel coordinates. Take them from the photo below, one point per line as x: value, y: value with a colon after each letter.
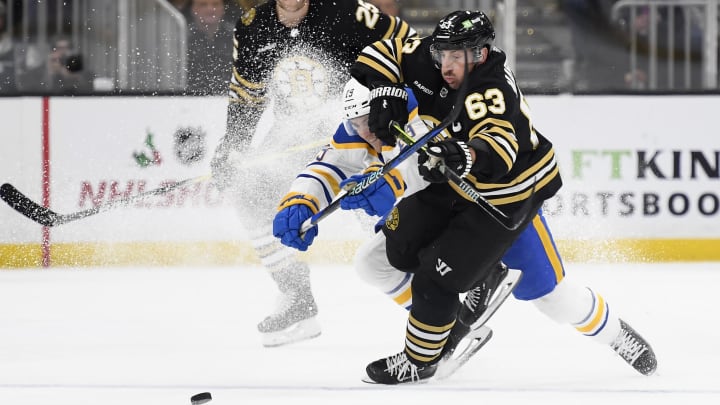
x: 158, y: 336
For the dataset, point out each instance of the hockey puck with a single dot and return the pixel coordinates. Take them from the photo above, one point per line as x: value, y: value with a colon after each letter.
x: 200, y: 398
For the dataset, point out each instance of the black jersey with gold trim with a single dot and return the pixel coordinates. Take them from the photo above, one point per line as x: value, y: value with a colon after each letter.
x: 334, y: 31
x: 514, y: 157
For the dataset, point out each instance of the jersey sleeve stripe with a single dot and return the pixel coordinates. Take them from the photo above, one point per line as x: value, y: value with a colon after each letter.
x: 326, y: 191
x: 507, y: 139
x: 392, y: 28
x: 329, y: 179
x: 382, y: 56
x: 240, y: 94
x: 501, y: 152
x: 511, y: 151
x: 502, y: 142
x: 495, y: 122
x: 378, y: 68
x: 250, y: 85
x: 340, y: 174
x: 538, y: 175
x: 508, y: 198
x: 241, y: 89
x: 382, y: 48
x: 505, y: 132
x: 541, y: 167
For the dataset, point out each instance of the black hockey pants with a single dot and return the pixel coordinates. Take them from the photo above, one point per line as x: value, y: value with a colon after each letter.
x: 436, y: 233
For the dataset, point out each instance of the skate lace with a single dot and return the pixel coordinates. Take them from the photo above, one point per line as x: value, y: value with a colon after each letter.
x: 627, y: 346
x: 473, y: 297
x: 402, y: 368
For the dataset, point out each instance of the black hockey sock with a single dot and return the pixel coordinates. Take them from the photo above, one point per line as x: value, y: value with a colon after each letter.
x: 431, y: 317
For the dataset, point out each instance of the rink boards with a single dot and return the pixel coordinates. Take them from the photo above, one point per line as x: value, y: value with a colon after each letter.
x: 641, y: 178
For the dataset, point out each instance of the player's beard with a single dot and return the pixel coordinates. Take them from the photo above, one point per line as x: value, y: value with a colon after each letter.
x: 452, y: 81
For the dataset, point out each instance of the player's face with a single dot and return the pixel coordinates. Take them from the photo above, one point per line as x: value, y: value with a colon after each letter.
x: 292, y: 5
x: 360, y: 125
x: 208, y: 11
x: 452, y: 65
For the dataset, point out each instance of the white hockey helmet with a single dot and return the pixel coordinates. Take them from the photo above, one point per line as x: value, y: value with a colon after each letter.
x: 356, y: 100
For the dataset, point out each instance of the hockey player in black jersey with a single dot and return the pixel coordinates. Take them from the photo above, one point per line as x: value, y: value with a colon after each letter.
x: 289, y: 57
x: 447, y: 242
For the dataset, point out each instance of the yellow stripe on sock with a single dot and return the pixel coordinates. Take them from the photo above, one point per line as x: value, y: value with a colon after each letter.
x: 597, y: 319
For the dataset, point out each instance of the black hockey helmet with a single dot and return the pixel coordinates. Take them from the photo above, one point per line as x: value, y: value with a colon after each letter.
x: 463, y: 29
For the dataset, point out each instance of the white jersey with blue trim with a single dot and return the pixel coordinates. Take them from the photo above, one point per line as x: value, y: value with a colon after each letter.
x: 349, y: 154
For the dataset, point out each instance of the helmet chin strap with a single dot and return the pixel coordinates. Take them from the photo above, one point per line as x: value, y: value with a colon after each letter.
x: 478, y: 55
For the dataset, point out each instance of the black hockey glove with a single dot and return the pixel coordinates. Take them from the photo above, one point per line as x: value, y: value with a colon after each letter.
x: 388, y: 102
x: 451, y: 153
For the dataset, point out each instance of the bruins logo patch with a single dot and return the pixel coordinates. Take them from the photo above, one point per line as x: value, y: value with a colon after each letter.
x: 393, y: 219
x: 248, y: 17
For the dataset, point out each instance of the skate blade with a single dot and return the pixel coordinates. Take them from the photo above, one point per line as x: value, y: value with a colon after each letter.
x: 366, y: 379
x: 303, y: 330
x: 473, y: 342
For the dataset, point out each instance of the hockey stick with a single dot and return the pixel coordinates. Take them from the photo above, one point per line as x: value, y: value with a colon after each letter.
x: 393, y: 163
x: 471, y: 192
x: 377, y: 175
x: 47, y: 217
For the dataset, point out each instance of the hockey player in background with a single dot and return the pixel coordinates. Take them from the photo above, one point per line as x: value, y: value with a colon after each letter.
x: 494, y: 146
x: 288, y: 58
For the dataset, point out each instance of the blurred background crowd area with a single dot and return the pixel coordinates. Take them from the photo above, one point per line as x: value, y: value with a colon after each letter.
x: 81, y: 47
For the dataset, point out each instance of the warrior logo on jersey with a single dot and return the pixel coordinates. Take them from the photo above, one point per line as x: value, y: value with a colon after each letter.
x: 301, y: 82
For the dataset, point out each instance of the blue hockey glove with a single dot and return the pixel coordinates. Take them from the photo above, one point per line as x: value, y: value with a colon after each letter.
x: 294, y: 210
x: 388, y: 102
x: 452, y: 153
x: 377, y: 199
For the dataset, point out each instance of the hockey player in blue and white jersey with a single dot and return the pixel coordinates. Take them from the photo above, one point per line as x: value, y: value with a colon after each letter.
x: 353, y: 151
x: 534, y: 252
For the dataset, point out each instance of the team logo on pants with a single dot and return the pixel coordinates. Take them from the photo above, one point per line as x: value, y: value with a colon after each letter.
x: 393, y: 219
x: 442, y: 267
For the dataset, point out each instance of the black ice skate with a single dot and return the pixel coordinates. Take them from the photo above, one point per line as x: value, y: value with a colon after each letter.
x: 479, y: 305
x: 397, y: 369
x: 294, y: 320
x: 634, y: 349
x: 476, y: 303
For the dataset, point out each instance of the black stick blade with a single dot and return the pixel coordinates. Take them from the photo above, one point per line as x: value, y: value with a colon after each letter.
x: 22, y: 204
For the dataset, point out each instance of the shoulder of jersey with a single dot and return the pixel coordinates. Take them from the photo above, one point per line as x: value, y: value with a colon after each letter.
x: 342, y: 137
x: 255, y: 15
x: 338, y: 8
x: 248, y: 17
